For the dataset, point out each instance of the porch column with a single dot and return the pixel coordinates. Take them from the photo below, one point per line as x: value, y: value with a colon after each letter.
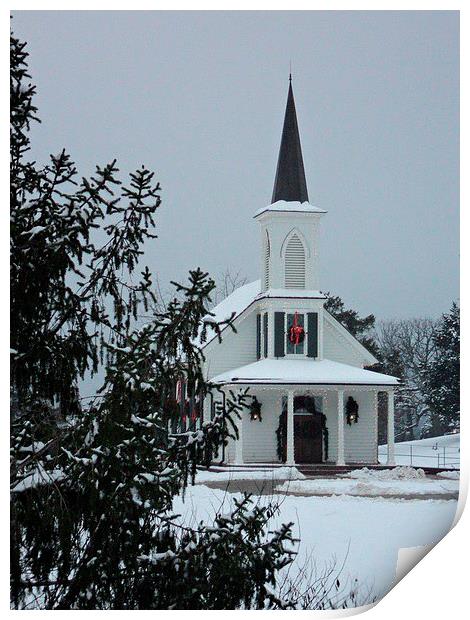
x: 391, y: 428
x: 290, y: 428
x: 340, y: 448
x: 239, y: 442
x: 206, y: 409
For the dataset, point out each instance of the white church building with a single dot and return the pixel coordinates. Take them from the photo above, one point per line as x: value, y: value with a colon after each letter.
x: 313, y: 400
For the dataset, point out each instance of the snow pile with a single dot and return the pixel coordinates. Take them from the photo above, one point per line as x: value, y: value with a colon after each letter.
x: 274, y: 473
x: 370, y: 487
x: 450, y: 475
x: 397, y: 473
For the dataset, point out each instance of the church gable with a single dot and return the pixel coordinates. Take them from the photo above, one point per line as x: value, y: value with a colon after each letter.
x: 236, y: 349
x: 341, y: 346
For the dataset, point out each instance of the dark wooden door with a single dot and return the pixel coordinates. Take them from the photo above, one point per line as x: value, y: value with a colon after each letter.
x: 307, y: 438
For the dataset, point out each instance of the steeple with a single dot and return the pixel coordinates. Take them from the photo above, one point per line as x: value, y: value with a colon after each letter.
x: 290, y: 183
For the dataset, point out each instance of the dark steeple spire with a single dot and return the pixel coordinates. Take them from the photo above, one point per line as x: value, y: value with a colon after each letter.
x: 290, y: 184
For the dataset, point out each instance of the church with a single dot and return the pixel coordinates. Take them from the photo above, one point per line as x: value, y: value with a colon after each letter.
x: 312, y: 399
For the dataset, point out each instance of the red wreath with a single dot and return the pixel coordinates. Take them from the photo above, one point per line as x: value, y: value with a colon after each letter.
x: 296, y: 332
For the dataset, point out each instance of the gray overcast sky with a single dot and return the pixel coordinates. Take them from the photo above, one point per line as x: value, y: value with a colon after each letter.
x: 199, y: 97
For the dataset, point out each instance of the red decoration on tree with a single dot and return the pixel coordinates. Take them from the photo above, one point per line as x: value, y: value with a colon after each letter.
x: 296, y: 332
x: 180, y: 389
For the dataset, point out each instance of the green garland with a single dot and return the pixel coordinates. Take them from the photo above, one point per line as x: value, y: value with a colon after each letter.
x: 281, y: 432
x: 325, y: 434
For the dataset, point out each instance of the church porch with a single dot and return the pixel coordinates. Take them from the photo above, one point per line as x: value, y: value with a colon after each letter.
x: 312, y: 426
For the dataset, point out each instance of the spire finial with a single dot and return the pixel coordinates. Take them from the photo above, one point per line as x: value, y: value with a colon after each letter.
x: 290, y: 71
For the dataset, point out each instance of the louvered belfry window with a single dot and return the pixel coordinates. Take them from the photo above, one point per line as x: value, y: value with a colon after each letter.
x: 295, y: 263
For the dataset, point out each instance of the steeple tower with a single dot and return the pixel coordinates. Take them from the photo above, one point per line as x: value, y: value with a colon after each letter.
x: 289, y: 225
x: 290, y: 183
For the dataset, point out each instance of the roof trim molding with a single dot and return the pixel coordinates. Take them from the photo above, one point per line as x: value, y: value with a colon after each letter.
x: 242, y: 381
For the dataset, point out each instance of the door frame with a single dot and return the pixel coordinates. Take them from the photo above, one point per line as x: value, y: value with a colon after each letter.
x: 307, y: 414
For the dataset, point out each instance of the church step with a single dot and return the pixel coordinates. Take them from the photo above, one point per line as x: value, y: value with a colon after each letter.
x: 329, y: 471
x: 314, y: 470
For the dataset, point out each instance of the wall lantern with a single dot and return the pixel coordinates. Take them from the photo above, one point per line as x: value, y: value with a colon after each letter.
x: 255, y: 410
x: 352, y: 411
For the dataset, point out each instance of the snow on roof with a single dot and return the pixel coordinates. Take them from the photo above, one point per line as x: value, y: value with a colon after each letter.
x: 243, y: 296
x: 236, y: 302
x: 291, y: 292
x: 292, y: 371
x: 291, y: 207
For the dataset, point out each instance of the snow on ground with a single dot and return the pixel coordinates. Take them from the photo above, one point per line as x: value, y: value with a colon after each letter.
x: 363, y: 533
x: 227, y: 473
x: 441, y: 451
x: 370, y: 486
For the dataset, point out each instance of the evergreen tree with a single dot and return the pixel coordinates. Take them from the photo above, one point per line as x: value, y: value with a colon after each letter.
x: 443, y: 376
x: 359, y: 327
x: 92, y: 525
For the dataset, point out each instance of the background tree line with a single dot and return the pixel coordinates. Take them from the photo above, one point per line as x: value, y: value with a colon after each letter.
x: 424, y: 354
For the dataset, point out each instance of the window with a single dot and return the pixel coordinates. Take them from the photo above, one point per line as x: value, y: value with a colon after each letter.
x: 291, y: 348
x: 295, y: 263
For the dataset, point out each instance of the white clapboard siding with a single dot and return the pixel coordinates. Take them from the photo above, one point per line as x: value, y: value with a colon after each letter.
x: 259, y: 438
x: 235, y: 350
x: 360, y: 440
x: 295, y: 263
x: 337, y: 348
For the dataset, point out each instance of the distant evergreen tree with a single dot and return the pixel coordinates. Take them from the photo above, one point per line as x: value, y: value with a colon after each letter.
x: 359, y: 327
x: 92, y: 488
x: 443, y: 376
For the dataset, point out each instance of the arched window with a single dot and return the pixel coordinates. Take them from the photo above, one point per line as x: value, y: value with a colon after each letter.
x: 294, y: 263
x: 267, y: 255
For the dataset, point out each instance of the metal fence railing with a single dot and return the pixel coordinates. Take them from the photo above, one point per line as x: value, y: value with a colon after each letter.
x: 414, y: 456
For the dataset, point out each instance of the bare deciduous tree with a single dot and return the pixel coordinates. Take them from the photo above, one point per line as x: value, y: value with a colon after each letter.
x: 226, y: 283
x: 406, y: 350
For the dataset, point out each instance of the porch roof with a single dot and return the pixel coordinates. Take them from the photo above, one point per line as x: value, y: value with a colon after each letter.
x: 304, y: 371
